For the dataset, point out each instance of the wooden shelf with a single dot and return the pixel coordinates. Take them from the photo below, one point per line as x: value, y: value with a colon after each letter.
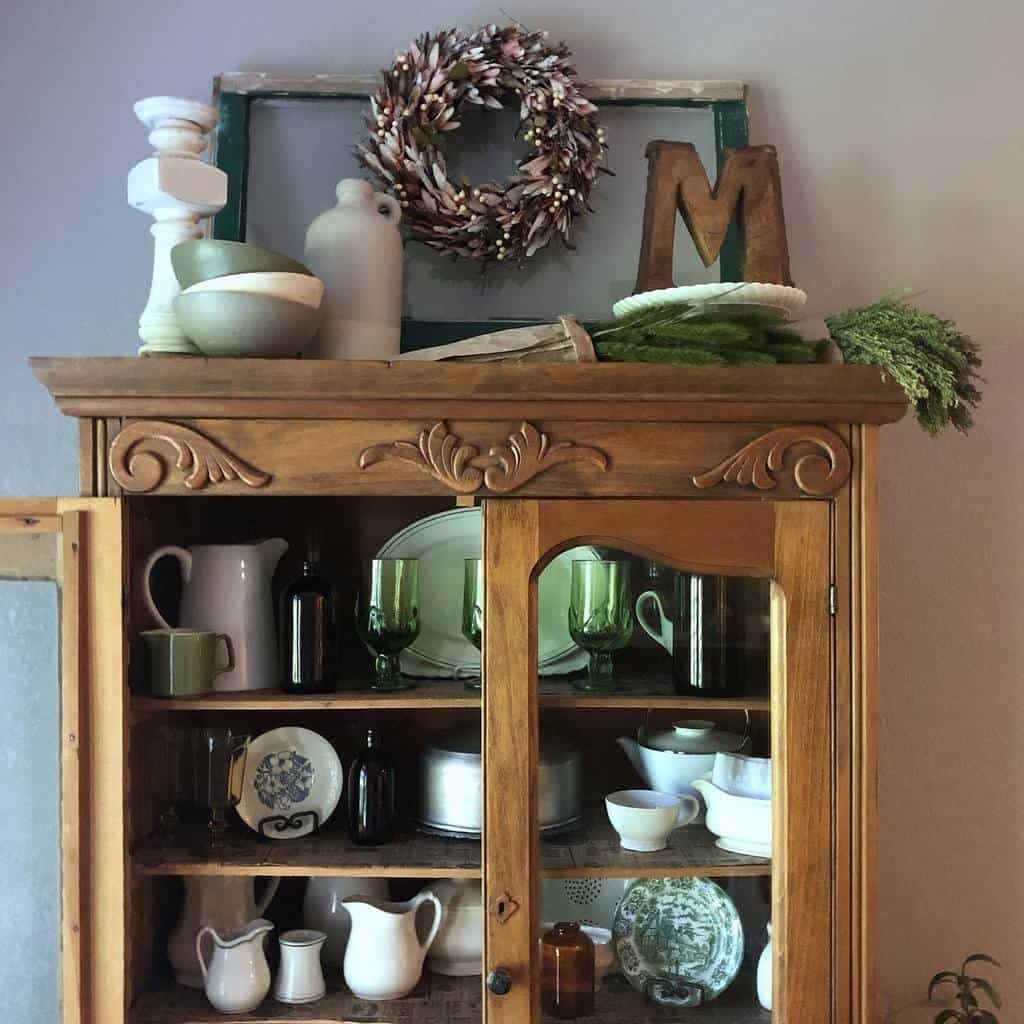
x: 428, y: 693
x: 591, y: 851
x: 638, y: 691
x: 438, y: 998
x: 594, y: 852
x: 330, y: 852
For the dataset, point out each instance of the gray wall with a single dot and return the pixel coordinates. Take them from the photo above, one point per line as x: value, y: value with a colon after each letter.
x: 898, y: 129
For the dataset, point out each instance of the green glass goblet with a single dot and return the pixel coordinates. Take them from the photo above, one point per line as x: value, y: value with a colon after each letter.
x: 389, y: 618
x: 473, y: 610
x: 600, y: 617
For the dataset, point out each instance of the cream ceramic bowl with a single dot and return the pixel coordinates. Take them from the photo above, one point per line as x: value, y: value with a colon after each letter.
x: 302, y: 288
x: 237, y: 324
x: 743, y: 775
x: 643, y: 818
x: 742, y: 824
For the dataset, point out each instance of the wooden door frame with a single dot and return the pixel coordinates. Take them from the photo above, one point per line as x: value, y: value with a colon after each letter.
x: 87, y: 571
x: 788, y: 541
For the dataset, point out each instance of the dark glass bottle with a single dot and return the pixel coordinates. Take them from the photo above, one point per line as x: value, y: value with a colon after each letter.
x: 371, y: 794
x: 567, y: 972
x: 309, y: 633
x: 722, y: 636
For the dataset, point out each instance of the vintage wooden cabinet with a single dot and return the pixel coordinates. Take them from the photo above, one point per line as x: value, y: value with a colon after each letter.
x: 765, y: 473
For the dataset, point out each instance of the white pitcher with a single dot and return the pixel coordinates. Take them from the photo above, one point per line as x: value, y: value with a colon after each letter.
x: 225, y: 903
x: 323, y: 909
x: 237, y: 978
x: 384, y: 958
x: 226, y: 588
x: 764, y: 973
x: 356, y: 250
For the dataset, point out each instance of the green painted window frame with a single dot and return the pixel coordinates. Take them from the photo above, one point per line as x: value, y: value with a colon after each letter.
x: 235, y: 93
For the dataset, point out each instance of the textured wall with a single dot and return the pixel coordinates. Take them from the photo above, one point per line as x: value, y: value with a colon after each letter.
x: 902, y: 157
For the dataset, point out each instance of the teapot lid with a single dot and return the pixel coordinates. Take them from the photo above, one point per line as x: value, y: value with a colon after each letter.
x: 353, y: 191
x: 692, y: 736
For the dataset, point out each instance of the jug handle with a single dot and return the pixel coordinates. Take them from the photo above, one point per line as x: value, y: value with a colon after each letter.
x: 388, y: 207
x: 268, y: 895
x: 199, y: 949
x: 663, y: 634
x: 184, y: 560
x: 425, y: 897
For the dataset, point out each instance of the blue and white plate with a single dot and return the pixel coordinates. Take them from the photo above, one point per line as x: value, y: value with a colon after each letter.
x: 288, y: 773
x: 684, y: 929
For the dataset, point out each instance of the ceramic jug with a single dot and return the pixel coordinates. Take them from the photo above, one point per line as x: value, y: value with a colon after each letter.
x: 356, y: 250
x: 237, y: 977
x: 323, y: 909
x: 224, y: 903
x: 384, y: 958
x: 226, y: 588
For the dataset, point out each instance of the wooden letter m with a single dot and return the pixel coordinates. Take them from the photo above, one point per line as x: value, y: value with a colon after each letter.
x: 748, y: 186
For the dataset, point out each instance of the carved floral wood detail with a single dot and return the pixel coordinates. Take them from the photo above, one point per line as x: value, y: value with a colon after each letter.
x: 461, y: 467
x: 816, y: 472
x: 141, y: 452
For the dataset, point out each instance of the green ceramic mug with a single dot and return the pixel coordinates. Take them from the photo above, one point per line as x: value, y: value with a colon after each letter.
x: 183, y: 662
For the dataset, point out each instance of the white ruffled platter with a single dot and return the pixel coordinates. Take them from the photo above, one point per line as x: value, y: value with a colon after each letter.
x: 787, y: 302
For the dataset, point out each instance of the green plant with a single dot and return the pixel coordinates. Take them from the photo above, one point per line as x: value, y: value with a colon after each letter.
x: 934, y: 362
x: 696, y: 334
x: 966, y: 988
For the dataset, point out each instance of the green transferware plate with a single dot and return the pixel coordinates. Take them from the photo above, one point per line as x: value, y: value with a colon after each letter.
x: 685, y: 928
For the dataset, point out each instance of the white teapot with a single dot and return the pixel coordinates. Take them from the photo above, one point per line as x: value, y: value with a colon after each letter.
x: 356, y: 250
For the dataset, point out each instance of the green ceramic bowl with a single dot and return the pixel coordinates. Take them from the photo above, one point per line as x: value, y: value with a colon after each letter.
x: 241, y: 324
x: 209, y: 257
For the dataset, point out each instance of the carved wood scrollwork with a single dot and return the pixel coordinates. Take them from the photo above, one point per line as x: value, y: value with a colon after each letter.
x: 461, y: 467
x: 140, y: 458
x: 816, y: 473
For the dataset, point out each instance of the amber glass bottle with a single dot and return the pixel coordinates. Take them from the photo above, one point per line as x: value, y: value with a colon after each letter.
x: 567, y: 972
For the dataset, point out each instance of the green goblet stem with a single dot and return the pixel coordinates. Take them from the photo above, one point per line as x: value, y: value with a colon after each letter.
x: 387, y: 670
x: 600, y: 676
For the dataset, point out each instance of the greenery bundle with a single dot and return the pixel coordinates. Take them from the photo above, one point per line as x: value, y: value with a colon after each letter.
x: 693, y: 334
x: 931, y: 359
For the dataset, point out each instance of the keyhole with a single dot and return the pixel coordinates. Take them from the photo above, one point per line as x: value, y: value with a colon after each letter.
x: 501, y: 908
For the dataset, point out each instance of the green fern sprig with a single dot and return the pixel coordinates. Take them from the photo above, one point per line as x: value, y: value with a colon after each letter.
x: 934, y: 362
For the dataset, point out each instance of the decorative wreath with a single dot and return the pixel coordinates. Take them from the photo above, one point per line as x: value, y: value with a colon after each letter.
x: 421, y: 98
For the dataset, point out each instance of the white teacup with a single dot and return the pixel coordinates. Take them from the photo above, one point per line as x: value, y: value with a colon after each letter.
x: 643, y: 817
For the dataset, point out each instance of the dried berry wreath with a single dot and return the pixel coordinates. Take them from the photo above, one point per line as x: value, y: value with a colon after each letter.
x: 422, y: 97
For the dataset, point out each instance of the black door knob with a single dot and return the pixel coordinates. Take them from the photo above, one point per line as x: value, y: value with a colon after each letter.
x: 499, y: 981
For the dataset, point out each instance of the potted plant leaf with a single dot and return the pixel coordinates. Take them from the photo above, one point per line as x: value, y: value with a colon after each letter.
x: 966, y: 992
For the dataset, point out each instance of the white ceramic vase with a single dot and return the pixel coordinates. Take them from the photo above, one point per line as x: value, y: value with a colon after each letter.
x: 384, y: 958
x: 224, y: 903
x: 324, y: 910
x: 764, y: 973
x: 237, y: 977
x: 356, y: 250
x: 300, y: 978
x: 458, y: 949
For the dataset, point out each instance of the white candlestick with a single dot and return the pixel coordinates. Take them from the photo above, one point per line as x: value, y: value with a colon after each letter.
x: 178, y: 190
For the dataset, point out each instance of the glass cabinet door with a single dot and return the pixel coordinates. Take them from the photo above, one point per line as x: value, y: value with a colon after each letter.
x: 659, y: 761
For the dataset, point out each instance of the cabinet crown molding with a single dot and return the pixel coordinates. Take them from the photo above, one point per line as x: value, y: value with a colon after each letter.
x: 139, y: 458
x: 460, y: 466
x: 816, y: 473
